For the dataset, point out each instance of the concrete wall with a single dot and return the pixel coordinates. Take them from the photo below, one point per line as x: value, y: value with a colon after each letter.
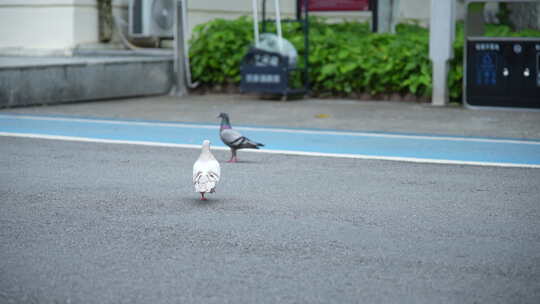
x: 47, y: 24
x: 415, y: 10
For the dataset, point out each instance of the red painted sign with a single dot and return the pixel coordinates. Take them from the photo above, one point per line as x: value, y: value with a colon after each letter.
x: 337, y: 5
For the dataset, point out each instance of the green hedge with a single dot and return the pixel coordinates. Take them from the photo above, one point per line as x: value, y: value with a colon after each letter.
x: 345, y: 58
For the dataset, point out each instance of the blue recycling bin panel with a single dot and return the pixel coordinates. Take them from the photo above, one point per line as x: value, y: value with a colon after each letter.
x: 502, y: 72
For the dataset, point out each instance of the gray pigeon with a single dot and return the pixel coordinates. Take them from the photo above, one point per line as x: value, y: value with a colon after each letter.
x: 233, y: 138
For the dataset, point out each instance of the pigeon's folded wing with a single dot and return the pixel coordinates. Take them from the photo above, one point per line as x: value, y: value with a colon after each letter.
x: 206, y: 175
x: 208, y: 168
x: 231, y: 137
x: 214, y: 170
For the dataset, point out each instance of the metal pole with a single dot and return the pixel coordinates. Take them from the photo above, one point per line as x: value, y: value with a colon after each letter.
x: 255, y: 23
x: 374, y: 7
x: 263, y: 16
x: 278, y: 25
x: 306, y: 44
x: 180, y: 88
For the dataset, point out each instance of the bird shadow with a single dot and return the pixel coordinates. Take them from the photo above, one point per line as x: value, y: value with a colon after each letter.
x: 196, y: 201
x: 240, y: 162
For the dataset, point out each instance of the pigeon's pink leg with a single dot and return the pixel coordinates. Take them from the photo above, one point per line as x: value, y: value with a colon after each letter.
x: 233, y: 157
x: 202, y: 197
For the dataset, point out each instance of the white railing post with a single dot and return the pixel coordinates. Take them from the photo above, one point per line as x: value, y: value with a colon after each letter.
x: 278, y: 25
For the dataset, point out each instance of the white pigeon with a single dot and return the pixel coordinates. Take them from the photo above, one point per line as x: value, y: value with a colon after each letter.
x: 206, y: 171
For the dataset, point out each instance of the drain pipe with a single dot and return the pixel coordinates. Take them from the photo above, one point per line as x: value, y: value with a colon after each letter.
x: 182, y: 68
x: 180, y: 73
x: 119, y: 22
x: 185, y: 29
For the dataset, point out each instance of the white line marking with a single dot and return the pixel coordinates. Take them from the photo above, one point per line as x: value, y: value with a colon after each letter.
x: 277, y: 130
x: 286, y: 152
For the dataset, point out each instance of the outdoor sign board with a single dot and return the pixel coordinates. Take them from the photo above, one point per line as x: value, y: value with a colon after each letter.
x: 264, y: 72
x: 337, y: 5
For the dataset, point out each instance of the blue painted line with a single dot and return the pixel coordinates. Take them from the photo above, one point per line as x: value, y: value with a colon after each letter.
x: 292, y: 129
x: 391, y: 145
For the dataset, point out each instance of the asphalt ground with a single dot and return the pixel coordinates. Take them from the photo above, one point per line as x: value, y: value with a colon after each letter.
x: 118, y: 223
x: 88, y: 222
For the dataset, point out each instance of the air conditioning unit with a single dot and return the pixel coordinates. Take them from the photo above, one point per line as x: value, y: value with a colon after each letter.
x: 151, y: 18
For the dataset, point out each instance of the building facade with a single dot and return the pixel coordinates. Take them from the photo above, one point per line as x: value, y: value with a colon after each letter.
x: 58, y: 26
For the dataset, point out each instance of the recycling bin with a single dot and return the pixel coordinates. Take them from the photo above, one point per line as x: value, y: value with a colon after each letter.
x: 502, y: 72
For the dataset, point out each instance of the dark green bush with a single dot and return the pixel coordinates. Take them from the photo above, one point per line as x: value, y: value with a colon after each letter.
x: 345, y: 58
x: 217, y: 49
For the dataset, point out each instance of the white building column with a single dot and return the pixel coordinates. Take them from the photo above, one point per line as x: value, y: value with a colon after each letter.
x: 441, y: 38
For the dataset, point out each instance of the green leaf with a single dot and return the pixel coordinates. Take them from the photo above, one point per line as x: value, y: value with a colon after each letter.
x: 343, y: 53
x: 348, y: 67
x: 328, y: 69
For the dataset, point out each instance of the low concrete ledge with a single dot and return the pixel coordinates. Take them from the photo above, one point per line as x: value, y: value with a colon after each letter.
x: 48, y: 80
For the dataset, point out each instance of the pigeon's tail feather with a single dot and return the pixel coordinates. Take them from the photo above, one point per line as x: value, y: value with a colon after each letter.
x: 247, y: 143
x: 205, y: 182
x: 257, y: 145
